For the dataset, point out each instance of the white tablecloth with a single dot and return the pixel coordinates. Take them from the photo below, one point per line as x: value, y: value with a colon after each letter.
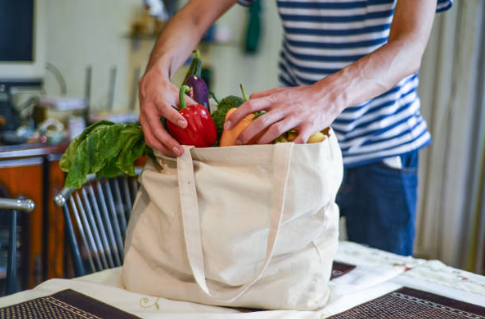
x: 377, y: 273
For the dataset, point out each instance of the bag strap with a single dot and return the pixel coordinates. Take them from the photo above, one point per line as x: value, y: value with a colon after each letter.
x: 191, y: 218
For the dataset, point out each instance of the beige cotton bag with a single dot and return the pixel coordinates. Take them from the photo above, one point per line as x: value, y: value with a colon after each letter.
x: 244, y: 226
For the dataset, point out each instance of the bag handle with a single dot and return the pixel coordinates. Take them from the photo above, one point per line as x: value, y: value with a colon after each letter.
x: 191, y: 218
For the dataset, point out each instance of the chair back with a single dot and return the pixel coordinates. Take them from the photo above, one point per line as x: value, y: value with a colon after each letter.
x: 13, y: 206
x: 96, y: 216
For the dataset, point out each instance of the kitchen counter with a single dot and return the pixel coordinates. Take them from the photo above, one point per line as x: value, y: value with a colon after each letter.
x: 33, y: 149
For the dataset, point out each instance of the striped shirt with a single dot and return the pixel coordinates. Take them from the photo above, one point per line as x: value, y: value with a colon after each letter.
x: 323, y: 36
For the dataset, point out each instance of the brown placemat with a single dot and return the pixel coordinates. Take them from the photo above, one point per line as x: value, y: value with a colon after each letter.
x: 66, y: 304
x: 339, y: 269
x: 407, y: 303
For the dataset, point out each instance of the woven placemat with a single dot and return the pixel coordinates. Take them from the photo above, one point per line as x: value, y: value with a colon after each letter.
x: 407, y: 303
x: 66, y: 304
x: 339, y: 269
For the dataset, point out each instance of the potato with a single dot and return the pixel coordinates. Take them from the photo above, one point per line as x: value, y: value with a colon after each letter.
x: 316, y: 138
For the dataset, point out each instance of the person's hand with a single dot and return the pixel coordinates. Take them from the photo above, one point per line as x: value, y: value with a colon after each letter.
x: 306, y: 109
x: 159, y: 98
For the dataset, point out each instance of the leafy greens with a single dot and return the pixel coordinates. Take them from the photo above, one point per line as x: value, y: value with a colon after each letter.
x: 106, y: 149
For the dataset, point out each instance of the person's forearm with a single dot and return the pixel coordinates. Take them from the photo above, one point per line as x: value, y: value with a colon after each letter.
x: 183, y: 32
x: 381, y: 70
x: 170, y: 51
x: 374, y: 74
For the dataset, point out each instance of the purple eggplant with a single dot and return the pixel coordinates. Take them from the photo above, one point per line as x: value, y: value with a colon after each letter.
x: 198, y: 89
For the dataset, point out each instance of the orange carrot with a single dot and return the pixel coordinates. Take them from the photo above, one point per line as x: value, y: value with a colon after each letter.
x: 229, y: 137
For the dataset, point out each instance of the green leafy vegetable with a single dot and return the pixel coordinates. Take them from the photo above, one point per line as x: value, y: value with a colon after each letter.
x: 133, y: 147
x: 109, y: 170
x: 105, y: 149
x: 219, y: 115
x: 70, y: 153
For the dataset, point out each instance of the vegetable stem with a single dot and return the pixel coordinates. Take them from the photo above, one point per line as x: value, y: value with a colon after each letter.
x: 183, y: 90
x: 245, y: 97
x: 214, y: 96
x: 195, y: 67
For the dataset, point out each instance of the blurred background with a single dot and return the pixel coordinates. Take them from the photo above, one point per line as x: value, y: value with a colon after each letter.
x: 65, y: 64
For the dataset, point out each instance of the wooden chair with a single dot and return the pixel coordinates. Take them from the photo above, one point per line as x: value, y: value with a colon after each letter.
x: 100, y: 209
x: 13, y: 206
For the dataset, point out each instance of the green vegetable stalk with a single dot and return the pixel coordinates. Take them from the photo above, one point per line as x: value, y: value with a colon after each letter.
x: 214, y: 96
x: 195, y: 66
x: 245, y: 97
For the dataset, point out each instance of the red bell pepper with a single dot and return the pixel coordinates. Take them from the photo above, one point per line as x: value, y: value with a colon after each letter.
x: 200, y: 131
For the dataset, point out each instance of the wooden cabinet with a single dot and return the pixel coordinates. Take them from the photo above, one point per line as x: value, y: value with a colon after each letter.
x: 54, y: 221
x: 33, y: 171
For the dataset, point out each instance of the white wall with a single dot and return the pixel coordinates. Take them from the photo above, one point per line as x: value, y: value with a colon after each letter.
x: 91, y: 32
x: 257, y: 72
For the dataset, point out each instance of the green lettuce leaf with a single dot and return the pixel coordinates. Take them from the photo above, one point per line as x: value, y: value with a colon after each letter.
x: 68, y: 156
x: 105, y: 149
x: 109, y: 170
x: 133, y: 147
x: 93, y: 153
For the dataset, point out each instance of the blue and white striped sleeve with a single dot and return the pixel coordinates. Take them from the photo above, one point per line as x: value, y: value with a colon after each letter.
x: 246, y: 3
x: 443, y: 5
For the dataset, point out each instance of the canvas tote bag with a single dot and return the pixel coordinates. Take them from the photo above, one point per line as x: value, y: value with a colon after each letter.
x: 244, y: 226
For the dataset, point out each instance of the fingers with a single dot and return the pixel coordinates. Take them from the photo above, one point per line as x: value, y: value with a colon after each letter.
x: 246, y: 108
x: 151, y: 140
x: 157, y: 95
x: 303, y: 134
x: 171, y: 114
x: 155, y: 134
x: 269, y: 119
x: 277, y: 129
x: 163, y: 137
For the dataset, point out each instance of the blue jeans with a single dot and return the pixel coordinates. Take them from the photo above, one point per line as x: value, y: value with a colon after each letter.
x: 379, y: 204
